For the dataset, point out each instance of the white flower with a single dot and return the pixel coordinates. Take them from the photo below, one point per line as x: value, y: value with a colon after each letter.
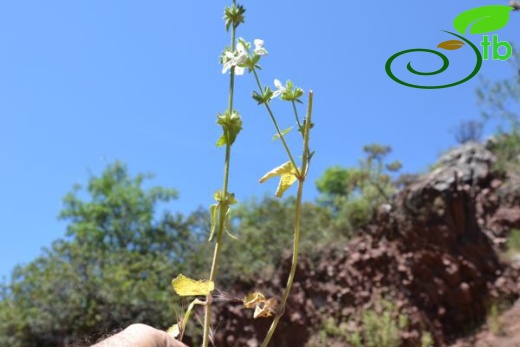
x: 235, y: 59
x: 259, y: 47
x: 242, y: 53
x: 239, y: 71
x: 280, y: 89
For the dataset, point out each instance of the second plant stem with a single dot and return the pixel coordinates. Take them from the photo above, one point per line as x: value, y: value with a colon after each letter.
x: 297, y: 222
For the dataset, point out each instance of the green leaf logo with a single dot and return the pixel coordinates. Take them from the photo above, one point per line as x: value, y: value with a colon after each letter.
x: 482, y: 19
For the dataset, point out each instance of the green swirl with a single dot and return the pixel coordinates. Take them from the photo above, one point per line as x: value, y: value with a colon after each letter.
x: 445, y: 65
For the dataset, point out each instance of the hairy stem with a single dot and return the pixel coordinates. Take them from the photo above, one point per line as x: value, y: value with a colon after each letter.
x: 297, y: 221
x: 297, y: 118
x: 222, y: 208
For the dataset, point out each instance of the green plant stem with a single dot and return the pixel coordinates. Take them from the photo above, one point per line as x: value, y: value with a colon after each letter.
x: 222, y: 208
x: 275, y: 122
x: 296, y: 116
x: 296, y: 243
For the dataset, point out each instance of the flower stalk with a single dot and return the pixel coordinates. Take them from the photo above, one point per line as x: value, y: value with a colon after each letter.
x: 297, y: 222
x: 235, y: 59
x: 231, y: 127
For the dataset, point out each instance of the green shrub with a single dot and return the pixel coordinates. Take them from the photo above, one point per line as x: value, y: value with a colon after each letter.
x: 506, y: 147
x: 264, y: 230
x: 493, y: 322
x: 513, y: 241
x: 426, y: 339
x: 380, y: 327
x: 353, y: 194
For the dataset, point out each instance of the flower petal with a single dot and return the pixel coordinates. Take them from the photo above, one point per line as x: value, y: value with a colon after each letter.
x: 241, y: 59
x: 239, y: 71
x: 260, y: 51
x: 226, y: 67
x: 241, y: 49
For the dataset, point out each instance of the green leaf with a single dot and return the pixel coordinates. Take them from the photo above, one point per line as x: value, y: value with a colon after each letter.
x: 231, y: 125
x: 226, y: 228
x: 221, y: 140
x: 258, y: 98
x: 231, y: 199
x: 482, y: 19
x: 234, y: 15
x: 287, y: 173
x: 213, y: 211
x: 284, y: 132
x: 185, y: 286
x: 266, y: 96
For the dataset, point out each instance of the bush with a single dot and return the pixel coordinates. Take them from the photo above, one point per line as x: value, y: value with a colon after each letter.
x: 381, y: 326
x: 506, y: 147
x: 264, y: 230
x: 354, y: 194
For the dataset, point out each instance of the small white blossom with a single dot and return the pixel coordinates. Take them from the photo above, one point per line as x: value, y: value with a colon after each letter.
x: 242, y: 53
x: 259, y: 47
x: 239, y: 71
x: 235, y: 59
x: 280, y: 89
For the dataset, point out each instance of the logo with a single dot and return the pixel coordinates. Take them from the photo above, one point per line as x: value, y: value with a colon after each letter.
x: 479, y: 21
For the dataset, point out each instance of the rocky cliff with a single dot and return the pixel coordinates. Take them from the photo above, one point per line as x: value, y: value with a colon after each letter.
x: 433, y: 252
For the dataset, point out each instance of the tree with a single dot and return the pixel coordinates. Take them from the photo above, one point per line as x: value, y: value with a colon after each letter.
x: 468, y: 130
x: 500, y: 99
x: 113, y: 268
x: 338, y: 183
x: 353, y: 194
x: 264, y: 229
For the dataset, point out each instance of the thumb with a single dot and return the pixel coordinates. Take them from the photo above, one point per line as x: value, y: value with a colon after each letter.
x: 169, y: 341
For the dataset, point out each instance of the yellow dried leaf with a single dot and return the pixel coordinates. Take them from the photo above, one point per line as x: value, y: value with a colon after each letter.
x: 278, y: 171
x: 262, y: 311
x: 185, y: 286
x: 286, y: 181
x: 287, y: 173
x: 253, y: 299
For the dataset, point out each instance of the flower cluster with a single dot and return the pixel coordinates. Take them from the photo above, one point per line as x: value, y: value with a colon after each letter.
x: 241, y: 58
x: 287, y: 92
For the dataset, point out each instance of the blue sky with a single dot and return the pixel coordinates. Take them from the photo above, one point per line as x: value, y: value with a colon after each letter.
x: 84, y: 83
